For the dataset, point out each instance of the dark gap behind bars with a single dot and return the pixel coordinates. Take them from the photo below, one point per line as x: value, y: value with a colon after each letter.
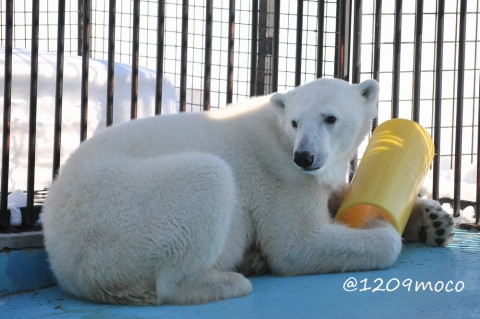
x: 264, y: 63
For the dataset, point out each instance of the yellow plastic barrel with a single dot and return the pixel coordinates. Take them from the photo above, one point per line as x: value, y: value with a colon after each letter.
x: 389, y: 176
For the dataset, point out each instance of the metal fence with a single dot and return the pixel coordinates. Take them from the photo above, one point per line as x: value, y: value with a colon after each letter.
x: 219, y: 52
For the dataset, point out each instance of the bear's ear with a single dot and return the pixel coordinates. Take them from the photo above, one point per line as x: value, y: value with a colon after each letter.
x: 369, y: 90
x: 278, y: 102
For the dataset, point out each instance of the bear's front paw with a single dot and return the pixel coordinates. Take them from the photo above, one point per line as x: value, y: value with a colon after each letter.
x: 430, y: 224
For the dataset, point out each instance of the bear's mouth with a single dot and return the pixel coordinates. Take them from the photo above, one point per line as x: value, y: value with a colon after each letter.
x: 311, y: 170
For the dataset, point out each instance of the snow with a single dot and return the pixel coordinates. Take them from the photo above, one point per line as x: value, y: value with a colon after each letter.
x: 446, y: 189
x: 16, y: 200
x: 468, y: 186
x: 71, y: 107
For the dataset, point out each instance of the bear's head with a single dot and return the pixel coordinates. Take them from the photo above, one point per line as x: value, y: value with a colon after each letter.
x: 326, y: 120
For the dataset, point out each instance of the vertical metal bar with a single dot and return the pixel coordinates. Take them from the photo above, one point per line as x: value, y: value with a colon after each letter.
x: 57, y: 129
x: 347, y: 37
x: 135, y: 47
x: 438, y: 98
x: 397, y: 46
x: 477, y: 201
x: 207, y: 77
x: 338, y: 39
x: 320, y: 39
x: 80, y: 27
x: 7, y: 104
x: 454, y: 86
x: 32, y: 132
x: 160, y: 46
x: 276, y: 41
x: 356, y: 68
x: 459, y: 98
x: 357, y: 41
x: 112, y: 7
x: 254, y: 49
x: 377, y: 39
x: 184, y: 56
x: 264, y: 38
x: 376, y: 47
x: 417, y: 69
x: 298, y: 45
x: 231, y: 43
x: 85, y: 67
x: 342, y: 41
x: 472, y: 155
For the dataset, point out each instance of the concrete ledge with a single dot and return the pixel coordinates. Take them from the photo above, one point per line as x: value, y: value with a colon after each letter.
x: 23, y: 263
x: 24, y: 270
x: 33, y: 239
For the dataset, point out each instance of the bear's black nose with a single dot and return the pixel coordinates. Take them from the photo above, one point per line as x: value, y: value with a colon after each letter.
x: 303, y: 159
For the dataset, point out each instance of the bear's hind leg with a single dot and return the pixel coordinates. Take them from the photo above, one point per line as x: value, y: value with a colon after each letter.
x: 200, y: 219
x: 174, y: 287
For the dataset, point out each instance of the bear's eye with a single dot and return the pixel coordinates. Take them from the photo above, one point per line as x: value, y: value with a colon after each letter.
x: 294, y: 124
x: 330, y: 119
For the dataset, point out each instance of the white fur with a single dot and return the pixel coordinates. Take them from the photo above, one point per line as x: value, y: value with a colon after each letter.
x: 163, y: 210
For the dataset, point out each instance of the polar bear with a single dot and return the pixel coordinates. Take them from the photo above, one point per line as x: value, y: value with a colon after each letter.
x: 177, y: 209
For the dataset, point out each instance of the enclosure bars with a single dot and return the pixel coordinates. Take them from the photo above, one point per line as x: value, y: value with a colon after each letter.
x: 438, y: 97
x: 28, y: 218
x: 397, y: 46
x: 135, y: 45
x: 231, y: 43
x: 477, y: 198
x: 184, y: 56
x: 356, y: 63
x: 111, y: 61
x: 208, y: 55
x: 264, y: 45
x: 459, y: 121
x: 84, y: 35
x: 85, y: 65
x: 135, y: 59
x: 342, y: 40
x: 254, y: 49
x: 417, y: 68
x: 376, y: 47
x: 57, y: 130
x: 159, y: 66
x: 257, y: 86
x: 320, y: 39
x: 275, y: 46
x: 342, y: 67
x: 357, y: 41
x: 7, y: 103
x: 377, y: 39
x: 298, y: 44
x: 80, y: 27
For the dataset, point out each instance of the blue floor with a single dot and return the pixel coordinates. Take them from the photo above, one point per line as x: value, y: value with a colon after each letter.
x: 424, y: 283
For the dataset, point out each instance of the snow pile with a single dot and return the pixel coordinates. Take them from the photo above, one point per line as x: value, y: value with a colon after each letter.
x: 468, y: 187
x: 71, y: 107
x: 16, y: 200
